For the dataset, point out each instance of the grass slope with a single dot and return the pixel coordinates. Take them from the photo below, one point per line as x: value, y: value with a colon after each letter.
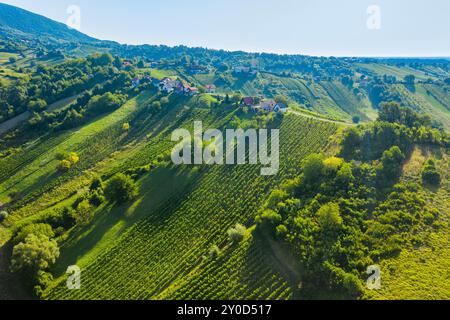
x: 165, y: 246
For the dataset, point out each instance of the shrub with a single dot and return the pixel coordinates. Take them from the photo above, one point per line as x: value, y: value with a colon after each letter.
x: 281, y: 232
x: 430, y: 174
x: 43, y: 280
x: 121, y: 189
x: 313, y: 168
x: 84, y: 212
x: 329, y: 216
x: 67, y: 161
x: 64, y: 166
x: 164, y: 101
x: 96, y: 183
x: 96, y: 198
x: 73, y: 158
x: 214, y: 252
x: 3, y: 216
x: 268, y: 219
x: 237, y: 234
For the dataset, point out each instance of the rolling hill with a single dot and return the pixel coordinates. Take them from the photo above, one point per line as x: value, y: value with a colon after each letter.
x: 77, y: 113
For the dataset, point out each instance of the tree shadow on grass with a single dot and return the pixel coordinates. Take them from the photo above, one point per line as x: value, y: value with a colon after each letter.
x: 162, y: 191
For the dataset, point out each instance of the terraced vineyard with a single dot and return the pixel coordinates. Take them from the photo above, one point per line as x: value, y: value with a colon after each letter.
x: 164, y: 247
x: 238, y: 273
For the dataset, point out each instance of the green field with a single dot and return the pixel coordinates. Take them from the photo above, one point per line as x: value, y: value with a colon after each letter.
x: 196, y: 214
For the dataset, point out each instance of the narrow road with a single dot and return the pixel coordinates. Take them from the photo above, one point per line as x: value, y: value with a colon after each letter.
x: 17, y: 120
x: 298, y: 113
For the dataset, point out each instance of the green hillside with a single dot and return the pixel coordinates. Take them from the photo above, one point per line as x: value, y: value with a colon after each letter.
x: 87, y: 179
x: 195, y: 220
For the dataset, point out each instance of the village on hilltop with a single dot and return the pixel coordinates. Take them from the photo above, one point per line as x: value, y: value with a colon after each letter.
x: 170, y: 85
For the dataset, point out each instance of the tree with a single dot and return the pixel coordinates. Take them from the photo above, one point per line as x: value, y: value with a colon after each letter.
x: 101, y: 59
x: 73, y: 158
x: 37, y: 105
x: 37, y: 253
x: 356, y: 119
x: 121, y: 188
x: 104, y: 103
x: 37, y: 229
x: 64, y: 166
x: 3, y: 216
x: 351, y: 142
x: 281, y: 99
x: 96, y: 183
x: 141, y: 64
x: 126, y: 126
x: 84, y: 212
x: 237, y: 234
x: 12, y: 60
x: 410, y: 79
x: 430, y: 174
x: 164, y: 101
x: 329, y: 216
x: 67, y: 162
x: 391, y: 165
x: 313, y: 168
x: 214, y: 252
x: 156, y: 105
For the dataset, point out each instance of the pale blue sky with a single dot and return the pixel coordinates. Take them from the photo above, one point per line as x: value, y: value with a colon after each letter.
x: 313, y: 27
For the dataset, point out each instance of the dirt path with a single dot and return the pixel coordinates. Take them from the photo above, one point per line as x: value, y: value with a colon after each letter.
x: 298, y: 113
x: 17, y: 120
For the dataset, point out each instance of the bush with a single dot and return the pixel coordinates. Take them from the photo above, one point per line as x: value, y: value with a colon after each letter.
x: 64, y: 166
x: 214, y: 252
x: 164, y: 101
x: 269, y: 219
x: 430, y: 174
x: 329, y: 216
x: 313, y: 168
x: 43, y: 280
x: 67, y: 161
x: 121, y: 189
x: 84, y: 212
x: 96, y: 184
x: 237, y: 234
x: 96, y: 198
x: 281, y: 232
x: 3, y: 216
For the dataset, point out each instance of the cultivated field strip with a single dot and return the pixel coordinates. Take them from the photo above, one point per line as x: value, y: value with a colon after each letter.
x: 165, y: 247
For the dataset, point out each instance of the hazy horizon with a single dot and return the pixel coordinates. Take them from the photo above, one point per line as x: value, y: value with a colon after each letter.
x: 405, y: 29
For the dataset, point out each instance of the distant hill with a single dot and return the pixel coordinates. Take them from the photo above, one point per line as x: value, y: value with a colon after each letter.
x: 28, y: 24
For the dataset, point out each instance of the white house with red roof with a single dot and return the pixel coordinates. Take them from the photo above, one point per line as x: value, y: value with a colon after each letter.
x: 210, y: 88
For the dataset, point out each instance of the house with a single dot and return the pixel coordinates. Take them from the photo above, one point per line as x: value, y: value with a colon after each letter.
x: 268, y: 105
x: 210, y: 88
x: 192, y: 91
x: 168, y: 85
x: 248, y: 101
x: 126, y: 63
x: 281, y: 108
x: 256, y: 108
x: 245, y: 70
